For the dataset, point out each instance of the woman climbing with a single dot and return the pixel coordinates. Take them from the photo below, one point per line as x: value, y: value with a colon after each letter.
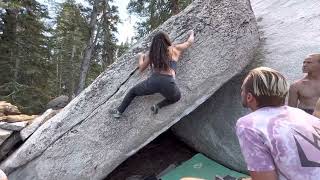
x: 162, y: 58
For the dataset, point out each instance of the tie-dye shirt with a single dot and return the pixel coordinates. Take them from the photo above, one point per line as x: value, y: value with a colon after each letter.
x: 284, y: 139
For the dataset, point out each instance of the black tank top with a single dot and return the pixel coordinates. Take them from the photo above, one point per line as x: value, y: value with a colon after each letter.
x: 173, y: 65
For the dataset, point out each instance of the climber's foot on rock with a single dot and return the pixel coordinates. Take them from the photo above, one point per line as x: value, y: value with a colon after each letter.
x: 115, y: 113
x: 155, y: 109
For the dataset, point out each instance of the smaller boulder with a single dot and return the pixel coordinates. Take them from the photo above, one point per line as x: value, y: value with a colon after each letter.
x: 10, y: 145
x: 36, y: 123
x: 58, y: 102
x: 17, y: 126
x: 4, y: 134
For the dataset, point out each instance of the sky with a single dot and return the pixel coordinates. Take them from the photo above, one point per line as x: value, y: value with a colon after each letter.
x: 125, y: 29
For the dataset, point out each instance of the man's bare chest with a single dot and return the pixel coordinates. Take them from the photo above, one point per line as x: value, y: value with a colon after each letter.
x: 310, y: 89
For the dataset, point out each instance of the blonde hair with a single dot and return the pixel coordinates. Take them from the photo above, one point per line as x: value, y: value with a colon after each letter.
x: 268, y: 86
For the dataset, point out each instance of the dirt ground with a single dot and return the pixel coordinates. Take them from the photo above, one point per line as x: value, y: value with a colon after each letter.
x: 153, y: 158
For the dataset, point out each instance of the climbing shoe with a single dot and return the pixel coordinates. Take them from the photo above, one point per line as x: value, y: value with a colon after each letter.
x: 115, y: 113
x: 155, y: 109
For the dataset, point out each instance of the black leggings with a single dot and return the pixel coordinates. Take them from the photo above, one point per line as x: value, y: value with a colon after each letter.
x: 156, y: 83
x: 309, y: 111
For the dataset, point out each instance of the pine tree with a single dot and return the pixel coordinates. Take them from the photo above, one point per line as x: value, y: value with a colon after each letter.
x: 123, y: 47
x: 103, y: 42
x: 38, y: 63
x: 90, y: 46
x: 24, y: 62
x: 110, y: 20
x: 154, y: 12
x: 69, y: 40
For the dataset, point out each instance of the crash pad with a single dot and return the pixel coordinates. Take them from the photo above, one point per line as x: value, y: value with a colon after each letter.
x: 199, y: 166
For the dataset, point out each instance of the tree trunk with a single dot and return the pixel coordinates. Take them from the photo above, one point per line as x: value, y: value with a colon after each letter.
x: 57, y: 77
x: 107, y: 52
x: 10, y: 37
x: 88, y: 50
x: 17, y: 66
x: 153, y: 19
x: 175, y: 7
x: 71, y: 82
x: 60, y: 74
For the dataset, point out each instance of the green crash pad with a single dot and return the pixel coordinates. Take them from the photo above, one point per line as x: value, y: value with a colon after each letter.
x: 199, y: 166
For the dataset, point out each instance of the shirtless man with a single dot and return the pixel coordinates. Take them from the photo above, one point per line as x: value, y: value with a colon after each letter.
x: 305, y: 92
x: 317, y: 109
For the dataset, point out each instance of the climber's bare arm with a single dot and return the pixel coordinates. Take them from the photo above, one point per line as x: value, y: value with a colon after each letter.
x: 293, y: 95
x: 178, y: 48
x: 3, y: 176
x: 143, y: 61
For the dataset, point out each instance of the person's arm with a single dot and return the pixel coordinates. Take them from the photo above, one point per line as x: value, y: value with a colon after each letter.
x: 187, y: 44
x: 267, y: 175
x: 3, y: 176
x: 143, y: 61
x: 293, y: 95
x: 256, y: 154
x: 316, y: 111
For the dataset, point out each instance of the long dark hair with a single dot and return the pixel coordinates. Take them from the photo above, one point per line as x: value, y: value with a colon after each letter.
x: 159, y: 52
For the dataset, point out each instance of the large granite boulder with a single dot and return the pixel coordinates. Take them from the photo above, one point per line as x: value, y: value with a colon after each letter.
x: 290, y: 30
x: 84, y: 142
x: 36, y: 123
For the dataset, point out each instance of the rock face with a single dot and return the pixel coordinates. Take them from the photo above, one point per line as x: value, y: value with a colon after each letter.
x: 8, y: 145
x: 36, y: 123
x: 84, y: 142
x: 4, y: 134
x: 10, y: 141
x: 290, y: 30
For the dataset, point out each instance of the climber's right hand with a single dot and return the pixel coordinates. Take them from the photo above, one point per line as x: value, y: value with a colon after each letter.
x: 143, y: 61
x: 191, y: 36
x: 140, y: 54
